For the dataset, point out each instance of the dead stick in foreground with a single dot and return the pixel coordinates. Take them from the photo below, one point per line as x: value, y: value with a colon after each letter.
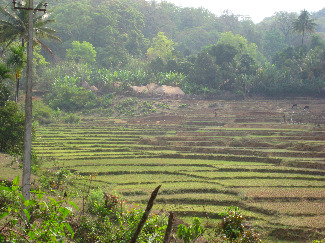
x: 169, y: 227
x: 145, y: 215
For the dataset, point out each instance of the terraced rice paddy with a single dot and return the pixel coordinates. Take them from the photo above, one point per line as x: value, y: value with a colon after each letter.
x: 247, y: 156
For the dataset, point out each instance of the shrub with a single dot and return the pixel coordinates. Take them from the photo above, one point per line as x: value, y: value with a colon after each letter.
x: 12, y: 122
x: 232, y: 223
x: 43, y: 113
x: 190, y: 233
x: 232, y: 227
x: 45, y: 220
x: 147, y: 107
x: 67, y: 95
x: 182, y: 106
x: 95, y: 200
x: 4, y: 94
x: 127, y: 106
x: 72, y: 119
x: 113, y: 222
x: 70, y: 98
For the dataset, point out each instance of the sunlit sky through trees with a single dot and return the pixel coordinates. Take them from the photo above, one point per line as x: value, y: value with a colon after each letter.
x: 257, y: 10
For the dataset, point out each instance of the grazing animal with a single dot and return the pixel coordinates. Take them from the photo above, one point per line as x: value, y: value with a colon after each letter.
x: 294, y: 105
x: 306, y: 107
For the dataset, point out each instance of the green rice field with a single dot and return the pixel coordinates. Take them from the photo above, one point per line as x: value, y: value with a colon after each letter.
x: 248, y: 156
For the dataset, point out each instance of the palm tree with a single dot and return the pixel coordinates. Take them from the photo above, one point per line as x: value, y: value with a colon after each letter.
x: 14, y: 25
x: 304, y: 24
x: 17, y: 61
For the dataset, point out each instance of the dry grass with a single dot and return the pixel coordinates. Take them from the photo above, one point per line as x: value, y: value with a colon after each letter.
x: 297, y: 209
x: 273, y: 193
x: 9, y: 167
x: 314, y: 222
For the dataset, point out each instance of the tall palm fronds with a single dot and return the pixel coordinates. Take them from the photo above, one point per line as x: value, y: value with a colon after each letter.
x: 14, y: 25
x: 17, y: 61
x: 4, y: 72
x: 304, y: 24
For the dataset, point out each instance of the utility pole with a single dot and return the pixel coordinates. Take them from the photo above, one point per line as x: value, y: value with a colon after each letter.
x: 27, y: 162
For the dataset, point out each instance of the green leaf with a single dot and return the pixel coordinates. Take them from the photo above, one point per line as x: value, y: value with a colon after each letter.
x: 70, y: 229
x: 21, y: 197
x: 5, y: 188
x: 14, y: 188
x: 15, y: 182
x: 64, y: 212
x: 27, y: 214
x: 40, y: 196
x: 74, y: 205
x: 4, y: 215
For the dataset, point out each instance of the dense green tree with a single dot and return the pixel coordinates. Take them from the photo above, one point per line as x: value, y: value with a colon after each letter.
x: 319, y: 18
x: 114, y: 58
x: 283, y: 22
x: 205, y: 71
x: 229, y: 21
x: 273, y: 42
x: 237, y: 24
x: 11, y: 128
x: 246, y: 65
x: 242, y: 46
x: 224, y: 53
x: 74, y: 23
x: 316, y: 60
x: 316, y: 41
x: 4, y: 91
x: 114, y: 28
x: 157, y: 65
x: 191, y: 40
x: 277, y: 26
x: 286, y: 56
x: 4, y: 72
x: 161, y: 47
x: 82, y: 52
x: 304, y: 24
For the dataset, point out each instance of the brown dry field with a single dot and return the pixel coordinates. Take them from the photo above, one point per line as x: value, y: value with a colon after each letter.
x: 296, y: 211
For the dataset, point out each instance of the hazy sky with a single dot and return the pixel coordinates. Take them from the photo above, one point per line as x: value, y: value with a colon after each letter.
x: 257, y: 10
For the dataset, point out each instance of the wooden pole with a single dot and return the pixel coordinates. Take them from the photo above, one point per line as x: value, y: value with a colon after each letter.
x: 145, y: 215
x: 169, y: 227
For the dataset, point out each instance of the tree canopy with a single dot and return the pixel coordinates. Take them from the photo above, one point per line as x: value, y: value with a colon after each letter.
x: 165, y: 43
x: 83, y: 52
x: 304, y: 24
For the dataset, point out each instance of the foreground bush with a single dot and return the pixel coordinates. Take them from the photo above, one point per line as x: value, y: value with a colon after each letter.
x: 111, y: 220
x: 37, y: 220
x: 44, y: 219
x: 12, y: 122
x: 233, y: 229
x: 190, y: 233
x: 107, y: 218
x: 43, y: 114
